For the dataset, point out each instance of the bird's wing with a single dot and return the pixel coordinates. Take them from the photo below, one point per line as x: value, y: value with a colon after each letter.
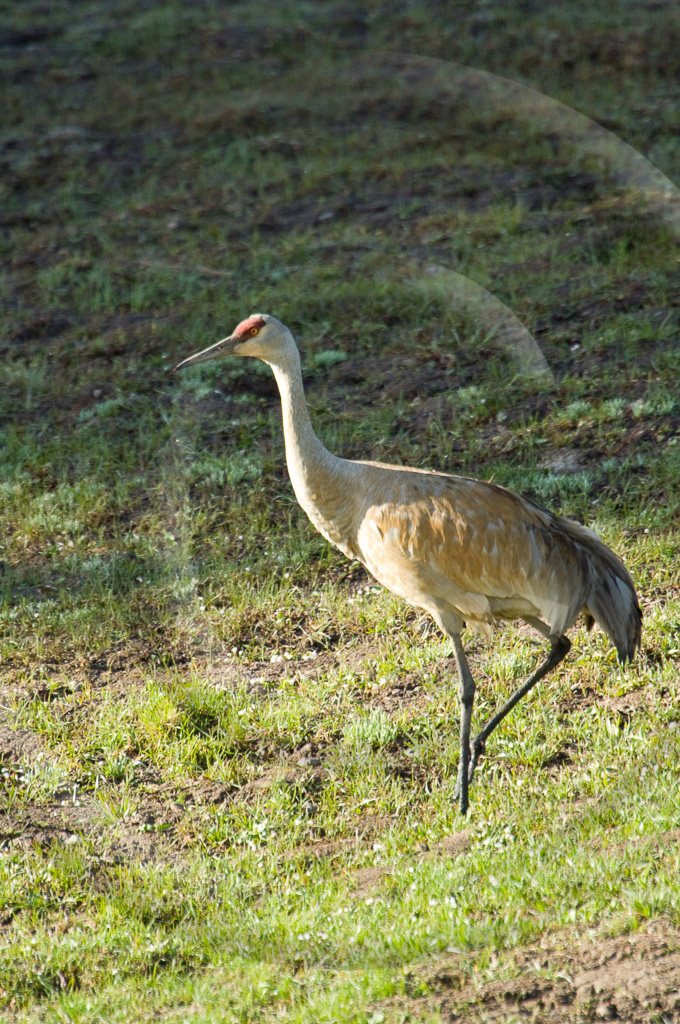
x: 475, y: 546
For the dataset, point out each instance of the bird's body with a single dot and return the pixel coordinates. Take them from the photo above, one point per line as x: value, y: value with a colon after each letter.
x: 463, y: 550
x: 459, y: 547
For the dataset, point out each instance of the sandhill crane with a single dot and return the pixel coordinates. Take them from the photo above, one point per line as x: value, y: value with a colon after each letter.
x: 463, y: 550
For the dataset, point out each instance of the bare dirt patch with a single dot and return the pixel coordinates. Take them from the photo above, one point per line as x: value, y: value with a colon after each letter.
x: 16, y: 744
x: 368, y: 879
x: 622, y: 708
x: 111, y: 834
x: 634, y: 977
x: 450, y: 846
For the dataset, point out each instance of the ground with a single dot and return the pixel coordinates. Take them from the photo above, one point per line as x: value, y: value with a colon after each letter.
x: 227, y: 756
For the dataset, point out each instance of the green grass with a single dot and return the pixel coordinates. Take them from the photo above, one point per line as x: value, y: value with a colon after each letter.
x: 212, y: 725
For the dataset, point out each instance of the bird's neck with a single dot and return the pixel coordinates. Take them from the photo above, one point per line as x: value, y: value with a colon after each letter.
x: 316, y: 474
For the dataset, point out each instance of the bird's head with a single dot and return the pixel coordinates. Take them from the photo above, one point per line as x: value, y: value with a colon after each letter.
x: 260, y: 335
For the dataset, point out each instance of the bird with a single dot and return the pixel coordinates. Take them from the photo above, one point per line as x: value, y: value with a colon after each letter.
x: 465, y: 551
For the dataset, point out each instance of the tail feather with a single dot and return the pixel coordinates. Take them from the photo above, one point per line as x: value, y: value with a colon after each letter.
x: 612, y: 600
x: 609, y: 591
x: 614, y: 605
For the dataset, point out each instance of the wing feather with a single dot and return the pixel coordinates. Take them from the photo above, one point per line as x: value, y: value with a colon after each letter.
x: 475, y: 546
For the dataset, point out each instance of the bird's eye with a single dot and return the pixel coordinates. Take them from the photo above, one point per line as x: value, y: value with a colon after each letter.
x: 253, y: 330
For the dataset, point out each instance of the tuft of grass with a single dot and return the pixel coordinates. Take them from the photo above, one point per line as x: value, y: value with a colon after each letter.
x: 374, y: 730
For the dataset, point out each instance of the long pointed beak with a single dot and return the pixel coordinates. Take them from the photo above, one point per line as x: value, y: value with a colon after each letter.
x: 220, y: 348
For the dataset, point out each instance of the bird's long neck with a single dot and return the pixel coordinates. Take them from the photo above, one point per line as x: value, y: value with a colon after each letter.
x: 317, y: 476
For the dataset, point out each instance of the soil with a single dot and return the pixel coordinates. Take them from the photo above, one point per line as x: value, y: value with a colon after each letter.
x: 633, y: 977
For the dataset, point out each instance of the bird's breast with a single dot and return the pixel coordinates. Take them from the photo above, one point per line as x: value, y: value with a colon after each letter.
x: 333, y: 514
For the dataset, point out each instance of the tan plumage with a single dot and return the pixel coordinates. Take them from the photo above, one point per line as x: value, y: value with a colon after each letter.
x: 463, y: 550
x: 450, y: 544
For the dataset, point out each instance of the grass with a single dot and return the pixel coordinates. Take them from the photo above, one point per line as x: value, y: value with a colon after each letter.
x: 227, y: 757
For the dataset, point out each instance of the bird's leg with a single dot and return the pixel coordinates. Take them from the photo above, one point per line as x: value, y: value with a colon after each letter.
x: 466, y: 693
x: 539, y: 625
x: 559, y: 649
